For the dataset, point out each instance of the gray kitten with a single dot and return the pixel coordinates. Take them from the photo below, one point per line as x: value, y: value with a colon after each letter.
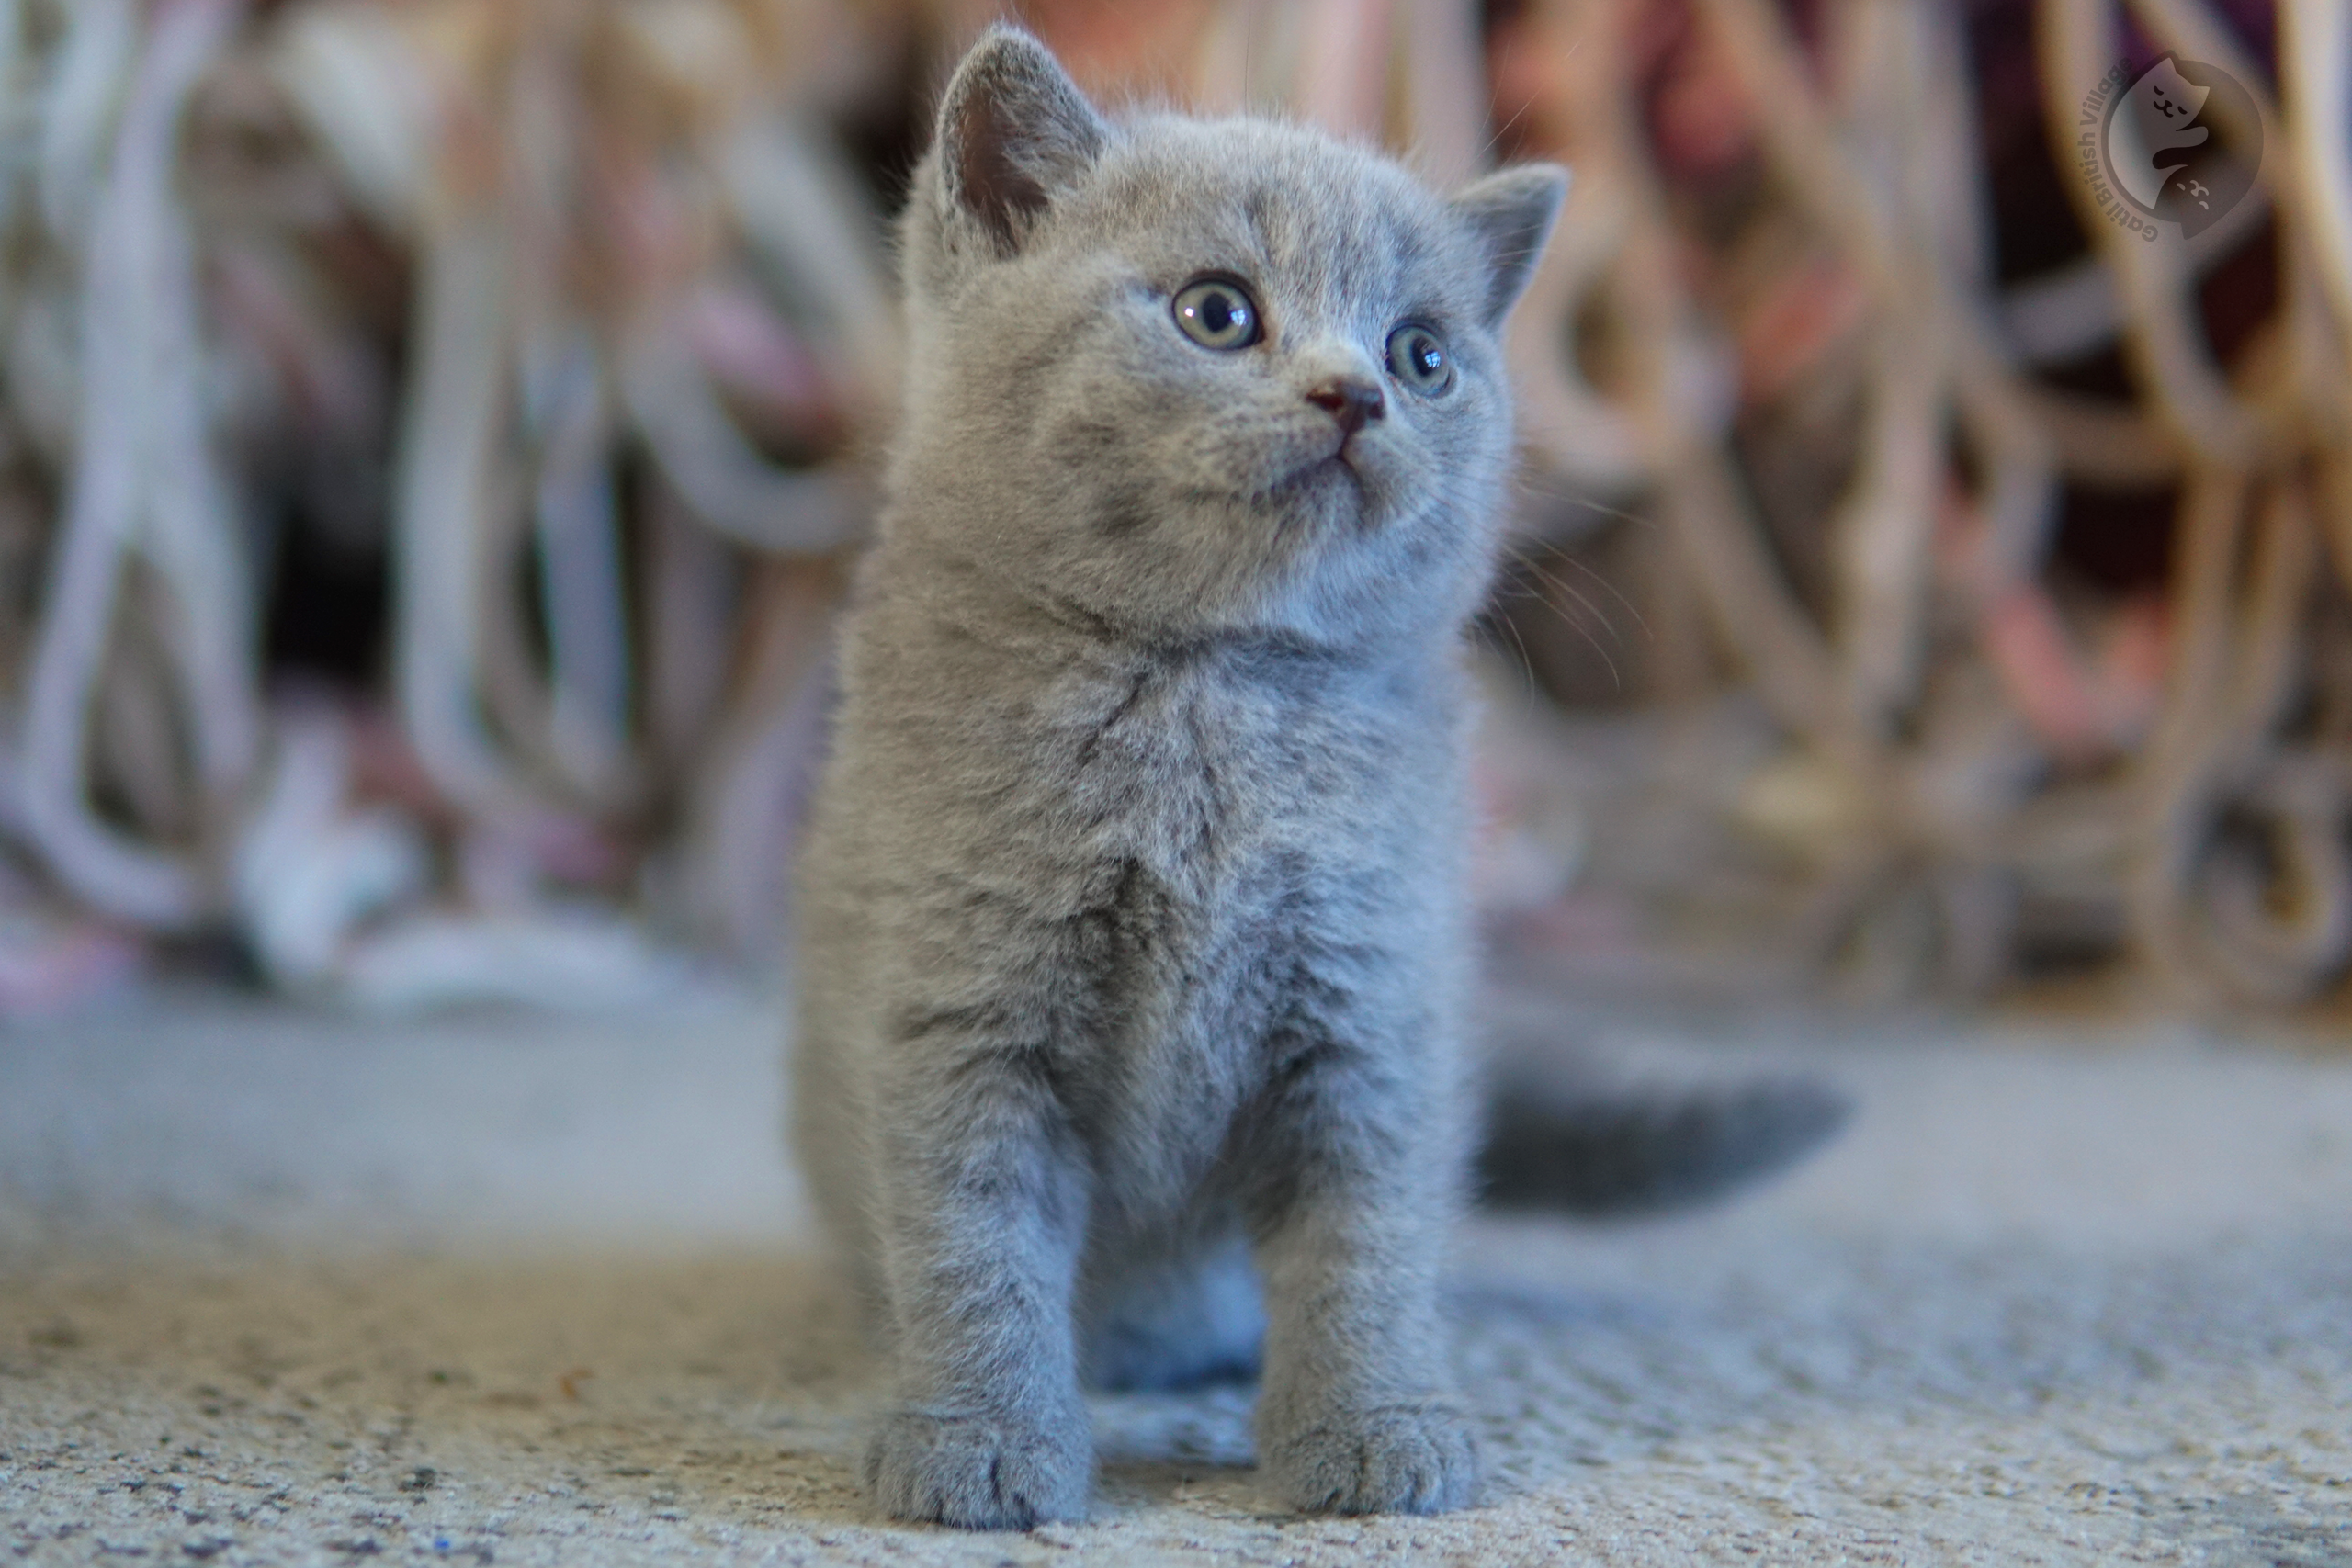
x: 1134, y: 950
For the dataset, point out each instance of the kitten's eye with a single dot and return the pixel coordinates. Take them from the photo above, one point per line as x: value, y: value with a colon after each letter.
x: 1217, y: 312
x: 1417, y: 356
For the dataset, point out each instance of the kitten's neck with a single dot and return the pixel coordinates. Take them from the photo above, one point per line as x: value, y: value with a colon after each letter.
x: 927, y: 599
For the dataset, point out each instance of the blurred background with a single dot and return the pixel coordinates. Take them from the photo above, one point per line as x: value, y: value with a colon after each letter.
x: 433, y: 434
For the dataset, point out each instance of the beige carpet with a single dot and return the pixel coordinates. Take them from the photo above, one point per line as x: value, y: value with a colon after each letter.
x: 2053, y: 1300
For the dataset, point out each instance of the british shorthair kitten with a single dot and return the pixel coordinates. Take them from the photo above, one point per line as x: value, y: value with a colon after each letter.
x: 1135, y: 951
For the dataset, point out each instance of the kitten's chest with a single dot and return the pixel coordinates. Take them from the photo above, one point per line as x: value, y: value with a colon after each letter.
x: 1214, y: 788
x: 1243, y: 843
x: 1224, y: 825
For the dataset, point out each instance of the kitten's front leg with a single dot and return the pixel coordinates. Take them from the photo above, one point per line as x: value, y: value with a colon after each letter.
x: 1356, y: 1415
x: 984, y: 1208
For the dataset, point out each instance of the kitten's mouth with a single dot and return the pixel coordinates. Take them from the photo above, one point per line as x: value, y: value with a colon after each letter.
x: 1309, y: 480
x: 1325, y: 471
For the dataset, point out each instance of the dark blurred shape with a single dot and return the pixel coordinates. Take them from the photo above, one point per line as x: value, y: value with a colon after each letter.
x: 1633, y: 1149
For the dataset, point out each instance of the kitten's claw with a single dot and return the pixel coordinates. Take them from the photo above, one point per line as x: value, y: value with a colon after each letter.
x: 1394, y: 1459
x: 980, y: 1473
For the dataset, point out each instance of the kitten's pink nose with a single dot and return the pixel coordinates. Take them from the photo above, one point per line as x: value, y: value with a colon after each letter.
x: 1352, y: 400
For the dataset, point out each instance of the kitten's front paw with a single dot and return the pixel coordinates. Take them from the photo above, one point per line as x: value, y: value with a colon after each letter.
x: 980, y: 1473
x: 1393, y: 1458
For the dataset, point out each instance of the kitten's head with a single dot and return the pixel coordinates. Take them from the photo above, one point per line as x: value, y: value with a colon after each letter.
x: 1194, y: 377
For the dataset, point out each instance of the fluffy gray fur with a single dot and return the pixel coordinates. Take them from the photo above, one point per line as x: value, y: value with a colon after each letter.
x: 1135, y: 947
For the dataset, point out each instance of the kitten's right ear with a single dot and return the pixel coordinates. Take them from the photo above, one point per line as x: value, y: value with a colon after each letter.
x: 1013, y: 130
x: 1511, y: 212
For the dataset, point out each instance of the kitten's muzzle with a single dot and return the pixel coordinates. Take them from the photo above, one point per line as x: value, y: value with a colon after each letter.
x: 1354, y: 400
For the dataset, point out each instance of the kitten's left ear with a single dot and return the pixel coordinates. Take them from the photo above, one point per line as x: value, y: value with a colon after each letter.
x: 1013, y: 130
x: 1511, y: 212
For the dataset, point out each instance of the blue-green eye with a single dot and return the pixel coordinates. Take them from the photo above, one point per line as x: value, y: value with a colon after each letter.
x: 1217, y: 312
x: 1417, y: 356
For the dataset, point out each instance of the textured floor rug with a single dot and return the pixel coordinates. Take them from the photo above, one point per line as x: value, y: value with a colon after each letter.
x: 2053, y: 1299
